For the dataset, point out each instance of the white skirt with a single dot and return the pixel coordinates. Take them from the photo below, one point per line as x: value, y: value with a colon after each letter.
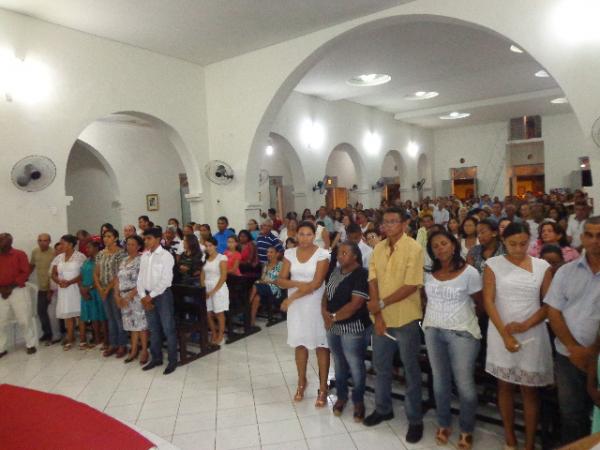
x: 219, y: 301
x: 305, y: 322
x: 69, y: 302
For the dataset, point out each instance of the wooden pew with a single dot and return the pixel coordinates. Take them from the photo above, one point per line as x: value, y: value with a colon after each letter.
x: 191, y: 317
x: 239, y: 303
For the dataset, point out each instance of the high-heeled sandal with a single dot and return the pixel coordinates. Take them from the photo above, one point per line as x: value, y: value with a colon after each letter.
x: 465, y: 441
x: 299, y: 396
x: 442, y: 435
x: 131, y: 357
x: 321, y: 399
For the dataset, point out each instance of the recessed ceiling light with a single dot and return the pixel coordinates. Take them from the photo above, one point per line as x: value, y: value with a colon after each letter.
x: 559, y: 101
x: 455, y: 115
x: 370, y: 79
x: 542, y: 74
x: 515, y: 49
x: 422, y: 95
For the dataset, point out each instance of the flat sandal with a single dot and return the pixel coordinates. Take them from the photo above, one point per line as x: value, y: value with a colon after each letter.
x: 465, y: 441
x: 442, y: 435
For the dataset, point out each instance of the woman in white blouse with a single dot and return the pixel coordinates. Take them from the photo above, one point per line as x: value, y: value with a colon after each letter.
x: 452, y: 334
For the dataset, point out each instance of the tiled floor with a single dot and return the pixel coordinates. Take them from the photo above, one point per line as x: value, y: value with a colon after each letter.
x: 239, y: 397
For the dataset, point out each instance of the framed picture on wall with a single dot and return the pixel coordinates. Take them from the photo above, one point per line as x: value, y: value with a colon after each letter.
x: 152, y: 202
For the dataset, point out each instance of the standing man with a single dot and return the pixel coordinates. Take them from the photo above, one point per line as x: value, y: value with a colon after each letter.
x: 573, y: 304
x: 41, y: 258
x: 576, y: 223
x: 153, y: 285
x: 395, y: 275
x: 265, y: 240
x: 441, y: 215
x: 354, y: 235
x: 223, y: 234
x: 422, y: 233
x: 324, y: 217
x: 14, y: 272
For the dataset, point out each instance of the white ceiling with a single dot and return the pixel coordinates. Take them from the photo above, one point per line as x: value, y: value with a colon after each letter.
x: 201, y: 31
x: 473, y: 70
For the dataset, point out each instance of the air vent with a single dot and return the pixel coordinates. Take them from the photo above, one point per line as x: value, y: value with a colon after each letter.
x: 524, y: 128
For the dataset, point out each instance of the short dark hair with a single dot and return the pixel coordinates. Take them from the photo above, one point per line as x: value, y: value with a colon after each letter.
x: 212, y: 240
x: 247, y: 234
x: 307, y: 224
x: 551, y: 248
x: 139, y: 241
x: 112, y: 231
x: 353, y: 228
x: 69, y: 238
x: 272, y: 211
x: 144, y: 218
x: 515, y: 228
x: 224, y: 219
x: 355, y: 251
x: 154, y: 232
x: 394, y: 210
x: 491, y: 224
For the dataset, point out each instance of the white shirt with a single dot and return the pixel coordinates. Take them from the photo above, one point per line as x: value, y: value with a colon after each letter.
x: 367, y: 252
x: 156, y: 272
x: 441, y: 216
x: 574, y: 230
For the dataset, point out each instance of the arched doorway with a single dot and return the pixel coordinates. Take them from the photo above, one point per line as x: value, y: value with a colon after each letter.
x: 393, y: 171
x: 135, y: 168
x: 346, y: 168
x: 281, y: 180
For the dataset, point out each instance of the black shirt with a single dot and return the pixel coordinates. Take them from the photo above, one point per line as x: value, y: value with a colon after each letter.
x: 340, y: 289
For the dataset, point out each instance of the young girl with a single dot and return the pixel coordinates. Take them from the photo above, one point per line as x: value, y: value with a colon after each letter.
x: 233, y: 255
x: 217, y: 294
x: 518, y: 346
x: 290, y: 243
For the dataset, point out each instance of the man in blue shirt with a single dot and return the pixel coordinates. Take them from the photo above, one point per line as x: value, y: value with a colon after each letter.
x: 574, y: 311
x: 265, y: 240
x: 223, y: 234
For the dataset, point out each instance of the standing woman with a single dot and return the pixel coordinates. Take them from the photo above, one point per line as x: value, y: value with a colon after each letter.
x: 321, y: 233
x: 91, y: 303
x: 303, y: 273
x: 518, y: 343
x: 468, y: 232
x: 126, y: 296
x: 346, y: 317
x: 67, y: 274
x: 234, y: 257
x: 217, y: 293
x: 453, y: 227
x: 291, y: 231
x: 189, y: 267
x: 205, y: 233
x: 253, y: 228
x: 489, y: 245
x: 452, y: 334
x: 105, y: 274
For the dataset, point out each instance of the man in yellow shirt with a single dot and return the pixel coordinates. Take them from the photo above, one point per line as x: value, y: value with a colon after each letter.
x: 395, y: 276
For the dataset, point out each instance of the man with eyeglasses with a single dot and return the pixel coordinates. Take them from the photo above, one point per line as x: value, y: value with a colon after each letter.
x: 395, y: 276
x: 41, y: 258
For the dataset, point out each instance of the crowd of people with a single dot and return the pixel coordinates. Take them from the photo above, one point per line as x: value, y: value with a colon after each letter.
x: 477, y: 280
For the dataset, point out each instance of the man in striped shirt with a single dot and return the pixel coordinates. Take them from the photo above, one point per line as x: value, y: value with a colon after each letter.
x: 265, y: 240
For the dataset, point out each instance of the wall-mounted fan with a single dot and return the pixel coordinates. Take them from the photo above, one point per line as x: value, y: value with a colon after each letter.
x: 263, y: 176
x: 379, y: 184
x: 596, y: 132
x: 419, y: 184
x: 322, y: 185
x: 218, y: 172
x: 33, y: 173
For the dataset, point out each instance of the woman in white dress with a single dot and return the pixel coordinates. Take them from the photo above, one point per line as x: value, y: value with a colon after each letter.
x: 217, y: 293
x: 518, y: 343
x: 303, y: 274
x: 67, y: 274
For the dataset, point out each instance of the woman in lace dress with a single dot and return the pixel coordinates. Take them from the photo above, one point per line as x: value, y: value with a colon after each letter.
x: 518, y: 345
x: 132, y: 311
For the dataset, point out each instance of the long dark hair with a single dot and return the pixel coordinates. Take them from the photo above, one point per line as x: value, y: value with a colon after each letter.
x: 563, y: 242
x: 457, y: 261
x: 193, y: 244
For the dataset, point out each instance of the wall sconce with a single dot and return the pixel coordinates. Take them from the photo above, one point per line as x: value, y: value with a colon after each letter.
x: 412, y: 148
x: 372, y: 142
x: 23, y: 80
x: 313, y: 134
x: 269, y: 150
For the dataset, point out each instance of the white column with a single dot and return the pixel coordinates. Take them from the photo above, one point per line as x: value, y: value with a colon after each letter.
x: 197, y: 211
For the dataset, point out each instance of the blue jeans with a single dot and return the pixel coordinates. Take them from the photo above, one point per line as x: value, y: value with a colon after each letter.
x: 408, y: 342
x: 117, y: 336
x: 573, y: 399
x: 349, y: 352
x: 161, y: 320
x: 452, y: 355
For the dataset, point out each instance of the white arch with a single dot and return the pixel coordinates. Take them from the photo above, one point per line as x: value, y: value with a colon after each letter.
x: 423, y: 169
x: 294, y: 77
x: 105, y: 164
x: 283, y: 145
x: 400, y: 166
x: 359, y: 165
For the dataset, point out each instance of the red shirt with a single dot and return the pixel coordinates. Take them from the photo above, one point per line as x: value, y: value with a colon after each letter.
x: 14, y: 268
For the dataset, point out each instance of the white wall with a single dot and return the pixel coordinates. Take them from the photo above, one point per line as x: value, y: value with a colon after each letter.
x: 484, y: 146
x: 91, y: 78
x: 144, y: 162
x: 94, y: 195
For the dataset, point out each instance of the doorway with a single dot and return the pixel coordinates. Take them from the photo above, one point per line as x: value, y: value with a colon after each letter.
x: 391, y: 193
x: 464, y: 182
x: 528, y: 178
x: 336, y: 198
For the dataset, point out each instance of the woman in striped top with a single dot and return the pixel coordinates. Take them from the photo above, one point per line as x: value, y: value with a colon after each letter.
x: 348, y: 324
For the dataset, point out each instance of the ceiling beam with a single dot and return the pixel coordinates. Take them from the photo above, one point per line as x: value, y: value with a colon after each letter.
x: 465, y: 107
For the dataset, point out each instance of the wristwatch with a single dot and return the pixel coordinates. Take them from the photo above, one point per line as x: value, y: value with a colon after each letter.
x: 381, y: 304
x: 332, y: 316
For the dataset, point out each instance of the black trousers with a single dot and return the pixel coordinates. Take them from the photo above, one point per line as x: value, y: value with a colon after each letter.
x: 42, y: 312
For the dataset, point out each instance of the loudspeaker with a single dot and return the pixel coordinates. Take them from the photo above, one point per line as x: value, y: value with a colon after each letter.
x: 586, y: 178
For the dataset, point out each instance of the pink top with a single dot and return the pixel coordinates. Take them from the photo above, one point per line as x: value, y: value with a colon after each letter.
x: 569, y: 253
x: 232, y: 257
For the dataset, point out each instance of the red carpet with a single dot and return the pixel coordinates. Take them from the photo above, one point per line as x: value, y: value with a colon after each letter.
x: 36, y: 420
